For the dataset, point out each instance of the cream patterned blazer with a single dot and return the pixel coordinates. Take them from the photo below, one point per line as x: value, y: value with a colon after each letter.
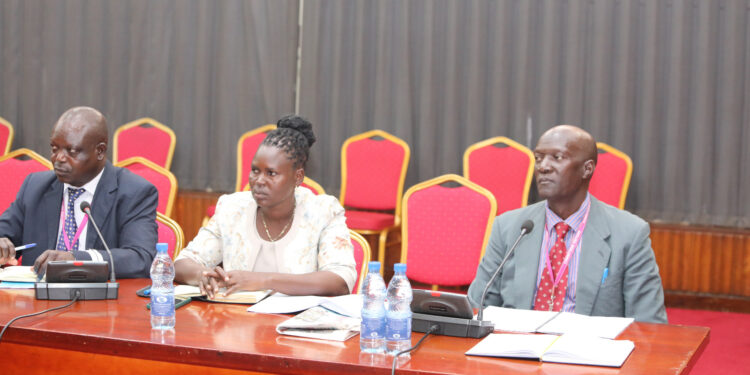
x: 319, y: 238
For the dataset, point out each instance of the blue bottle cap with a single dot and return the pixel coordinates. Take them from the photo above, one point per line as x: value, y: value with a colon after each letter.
x: 399, y: 267
x: 374, y: 266
x: 161, y: 247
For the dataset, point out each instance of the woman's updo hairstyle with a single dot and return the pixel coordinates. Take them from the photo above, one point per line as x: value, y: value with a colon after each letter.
x: 294, y: 135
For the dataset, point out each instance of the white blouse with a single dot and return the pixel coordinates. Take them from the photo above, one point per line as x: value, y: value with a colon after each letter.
x: 318, y: 239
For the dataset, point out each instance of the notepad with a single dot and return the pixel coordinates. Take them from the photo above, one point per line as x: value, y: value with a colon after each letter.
x: 568, y: 348
x: 18, y: 274
x: 518, y: 320
x: 243, y: 297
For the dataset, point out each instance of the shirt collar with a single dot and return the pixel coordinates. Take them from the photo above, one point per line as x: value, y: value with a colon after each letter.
x: 573, y: 220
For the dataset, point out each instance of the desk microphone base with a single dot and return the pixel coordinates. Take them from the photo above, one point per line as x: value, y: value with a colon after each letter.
x: 67, y: 291
x: 457, y: 327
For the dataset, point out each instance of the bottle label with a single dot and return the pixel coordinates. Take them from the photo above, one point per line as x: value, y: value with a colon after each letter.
x: 162, y: 304
x: 372, y: 328
x: 398, y: 329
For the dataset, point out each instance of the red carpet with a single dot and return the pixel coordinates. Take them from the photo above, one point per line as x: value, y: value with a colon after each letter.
x: 728, y: 351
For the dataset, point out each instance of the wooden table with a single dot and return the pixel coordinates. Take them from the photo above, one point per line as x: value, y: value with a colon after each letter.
x: 115, y: 337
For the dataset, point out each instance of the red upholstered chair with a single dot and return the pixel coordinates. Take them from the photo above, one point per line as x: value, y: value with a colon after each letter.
x: 373, y: 169
x: 611, y: 178
x: 361, y: 257
x: 6, y: 136
x: 14, y: 167
x: 147, y: 138
x: 445, y: 228
x: 163, y: 179
x: 247, y: 145
x: 502, y: 166
x: 170, y: 233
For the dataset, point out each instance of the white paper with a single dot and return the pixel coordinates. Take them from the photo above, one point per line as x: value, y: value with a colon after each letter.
x: 347, y: 305
x: 589, y: 350
x: 320, y: 323
x: 607, y: 327
x: 577, y: 349
x: 516, y: 320
x: 513, y: 345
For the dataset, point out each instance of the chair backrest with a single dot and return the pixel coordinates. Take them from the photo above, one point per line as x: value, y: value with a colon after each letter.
x: 502, y: 166
x: 445, y: 228
x: 611, y: 178
x: 14, y: 167
x: 247, y: 145
x: 307, y: 182
x: 6, y: 136
x: 373, y: 169
x: 170, y: 233
x: 147, y: 138
x: 361, y: 257
x: 164, y: 180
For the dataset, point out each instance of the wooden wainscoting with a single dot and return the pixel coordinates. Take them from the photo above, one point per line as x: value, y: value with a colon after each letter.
x: 701, y: 267
x: 190, y: 209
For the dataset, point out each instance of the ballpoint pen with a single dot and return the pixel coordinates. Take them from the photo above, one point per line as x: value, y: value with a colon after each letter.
x: 24, y: 247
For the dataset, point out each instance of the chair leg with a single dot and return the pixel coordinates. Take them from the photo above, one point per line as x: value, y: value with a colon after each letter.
x: 383, y: 238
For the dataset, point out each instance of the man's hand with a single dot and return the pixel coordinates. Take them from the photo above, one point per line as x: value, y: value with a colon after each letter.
x: 7, y: 252
x: 40, y: 265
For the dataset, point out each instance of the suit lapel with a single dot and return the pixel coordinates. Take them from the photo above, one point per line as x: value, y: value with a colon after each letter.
x: 594, y: 257
x: 102, y: 204
x: 52, y: 203
x: 528, y: 260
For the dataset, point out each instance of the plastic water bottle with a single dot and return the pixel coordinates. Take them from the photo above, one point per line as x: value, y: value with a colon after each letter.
x: 398, y: 313
x: 162, y: 289
x: 372, y: 329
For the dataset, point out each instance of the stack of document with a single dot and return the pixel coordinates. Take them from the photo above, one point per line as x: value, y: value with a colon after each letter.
x: 516, y: 320
x: 568, y: 348
x: 320, y: 323
x: 326, y: 318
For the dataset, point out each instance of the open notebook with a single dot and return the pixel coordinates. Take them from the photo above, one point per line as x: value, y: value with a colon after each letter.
x: 517, y: 320
x: 244, y: 297
x: 568, y: 348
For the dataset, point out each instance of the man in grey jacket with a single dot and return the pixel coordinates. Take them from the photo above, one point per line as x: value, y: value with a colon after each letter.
x: 601, y: 263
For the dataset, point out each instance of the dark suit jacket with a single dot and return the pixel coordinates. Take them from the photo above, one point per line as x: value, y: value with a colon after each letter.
x: 613, y: 239
x: 124, y: 207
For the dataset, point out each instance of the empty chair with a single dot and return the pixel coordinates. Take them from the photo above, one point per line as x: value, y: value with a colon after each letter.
x: 445, y: 228
x: 170, y: 233
x: 361, y: 257
x: 502, y: 166
x: 373, y: 169
x: 14, y: 167
x: 164, y: 180
x: 611, y: 178
x: 6, y: 136
x: 146, y: 138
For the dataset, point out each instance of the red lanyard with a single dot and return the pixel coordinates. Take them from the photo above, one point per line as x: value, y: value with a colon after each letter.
x: 69, y: 244
x: 571, y: 249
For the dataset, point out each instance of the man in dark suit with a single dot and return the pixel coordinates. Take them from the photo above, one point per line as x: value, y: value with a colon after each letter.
x: 583, y: 255
x: 46, y: 210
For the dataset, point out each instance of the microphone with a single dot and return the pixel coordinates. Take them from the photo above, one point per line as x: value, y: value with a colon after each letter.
x: 86, y: 208
x: 526, y: 228
x: 80, y: 280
